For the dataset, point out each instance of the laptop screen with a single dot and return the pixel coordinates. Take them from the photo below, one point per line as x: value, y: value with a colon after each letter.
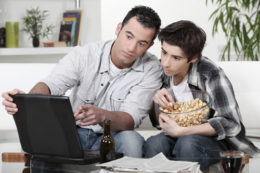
x: 46, y: 125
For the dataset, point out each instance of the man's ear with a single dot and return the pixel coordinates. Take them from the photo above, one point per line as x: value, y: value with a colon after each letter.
x: 118, y: 28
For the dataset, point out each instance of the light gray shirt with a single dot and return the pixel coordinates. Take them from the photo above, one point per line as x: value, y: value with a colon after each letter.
x: 86, y: 70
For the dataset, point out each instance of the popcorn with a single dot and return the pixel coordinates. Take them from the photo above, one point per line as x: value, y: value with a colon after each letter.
x: 193, y: 112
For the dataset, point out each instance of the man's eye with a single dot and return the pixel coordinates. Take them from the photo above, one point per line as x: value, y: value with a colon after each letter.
x: 128, y: 37
x: 142, y: 44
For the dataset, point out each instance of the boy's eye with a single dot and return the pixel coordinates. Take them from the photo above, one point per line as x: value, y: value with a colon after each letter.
x: 164, y: 52
x: 176, y: 58
x: 128, y: 37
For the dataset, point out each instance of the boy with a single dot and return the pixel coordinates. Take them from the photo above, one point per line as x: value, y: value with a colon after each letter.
x: 185, y: 69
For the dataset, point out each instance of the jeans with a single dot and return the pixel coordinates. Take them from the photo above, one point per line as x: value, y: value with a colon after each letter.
x: 128, y: 142
x: 196, y: 148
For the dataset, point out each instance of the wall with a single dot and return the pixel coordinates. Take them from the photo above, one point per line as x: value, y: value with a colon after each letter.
x: 23, y: 76
x: 100, y: 18
x: 99, y: 21
x: 14, y: 10
x: 113, y: 11
x: 25, y: 71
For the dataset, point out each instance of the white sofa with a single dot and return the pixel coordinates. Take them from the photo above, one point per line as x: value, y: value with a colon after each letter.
x: 246, y: 83
x: 244, y: 76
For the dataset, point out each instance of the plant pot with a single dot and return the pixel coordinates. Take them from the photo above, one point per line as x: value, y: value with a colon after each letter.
x: 36, y: 42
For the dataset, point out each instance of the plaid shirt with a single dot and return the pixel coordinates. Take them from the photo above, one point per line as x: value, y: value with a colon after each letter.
x: 225, y: 118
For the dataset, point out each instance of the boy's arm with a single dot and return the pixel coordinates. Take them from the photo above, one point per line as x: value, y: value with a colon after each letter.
x: 171, y: 128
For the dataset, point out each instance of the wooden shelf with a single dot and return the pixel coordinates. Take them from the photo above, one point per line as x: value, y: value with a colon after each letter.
x: 34, y: 51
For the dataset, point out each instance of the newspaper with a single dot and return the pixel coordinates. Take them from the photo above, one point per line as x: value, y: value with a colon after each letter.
x: 158, y: 163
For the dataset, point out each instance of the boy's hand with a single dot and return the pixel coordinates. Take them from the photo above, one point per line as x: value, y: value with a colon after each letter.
x: 163, y: 98
x: 170, y: 127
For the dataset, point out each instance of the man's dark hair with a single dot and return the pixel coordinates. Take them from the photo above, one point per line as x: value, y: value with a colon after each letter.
x: 186, y: 35
x: 146, y: 16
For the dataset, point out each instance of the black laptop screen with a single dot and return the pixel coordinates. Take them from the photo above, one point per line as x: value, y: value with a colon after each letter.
x: 46, y: 125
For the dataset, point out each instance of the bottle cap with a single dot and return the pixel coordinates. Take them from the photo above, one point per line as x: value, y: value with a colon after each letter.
x: 107, y: 121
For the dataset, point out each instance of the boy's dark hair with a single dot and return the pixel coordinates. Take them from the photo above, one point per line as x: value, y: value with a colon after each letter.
x: 186, y: 35
x: 146, y: 16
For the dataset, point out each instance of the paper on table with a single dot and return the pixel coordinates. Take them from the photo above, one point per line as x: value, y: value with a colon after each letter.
x: 126, y: 163
x: 158, y: 163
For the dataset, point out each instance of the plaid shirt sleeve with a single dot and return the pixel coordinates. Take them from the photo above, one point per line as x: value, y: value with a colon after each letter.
x: 226, y: 119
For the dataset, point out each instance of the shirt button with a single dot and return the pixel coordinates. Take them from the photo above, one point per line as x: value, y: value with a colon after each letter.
x: 102, y: 84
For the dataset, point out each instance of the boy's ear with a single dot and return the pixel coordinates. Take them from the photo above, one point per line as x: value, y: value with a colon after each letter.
x: 196, y: 58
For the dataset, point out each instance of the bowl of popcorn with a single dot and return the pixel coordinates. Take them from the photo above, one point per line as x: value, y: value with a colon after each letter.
x: 192, y: 112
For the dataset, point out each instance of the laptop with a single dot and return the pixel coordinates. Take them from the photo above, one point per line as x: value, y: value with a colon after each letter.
x: 47, y: 130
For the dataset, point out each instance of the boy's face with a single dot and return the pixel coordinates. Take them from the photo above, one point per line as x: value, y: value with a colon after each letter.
x: 132, y: 41
x: 174, y: 61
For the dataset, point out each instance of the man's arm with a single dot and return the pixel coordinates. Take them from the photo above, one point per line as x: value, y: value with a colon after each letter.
x: 119, y: 121
x: 40, y: 88
x: 90, y: 115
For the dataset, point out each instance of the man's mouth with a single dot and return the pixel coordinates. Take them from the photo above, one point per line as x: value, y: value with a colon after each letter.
x: 126, y: 54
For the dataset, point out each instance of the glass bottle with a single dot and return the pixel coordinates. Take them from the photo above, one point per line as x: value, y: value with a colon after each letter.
x: 107, y: 144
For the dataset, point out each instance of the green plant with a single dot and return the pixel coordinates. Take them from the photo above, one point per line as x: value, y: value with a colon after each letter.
x: 240, y: 21
x: 33, y: 23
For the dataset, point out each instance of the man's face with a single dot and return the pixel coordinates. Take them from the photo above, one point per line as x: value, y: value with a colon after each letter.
x: 132, y: 41
x: 174, y: 61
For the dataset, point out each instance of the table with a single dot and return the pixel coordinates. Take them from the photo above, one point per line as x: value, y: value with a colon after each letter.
x: 19, y: 167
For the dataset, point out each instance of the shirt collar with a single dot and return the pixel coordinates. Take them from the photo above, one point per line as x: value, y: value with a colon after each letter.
x: 138, y: 64
x: 198, y: 71
x: 193, y: 75
x: 104, y: 67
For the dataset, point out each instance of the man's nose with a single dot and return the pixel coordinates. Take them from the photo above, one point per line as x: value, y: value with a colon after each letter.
x: 132, y: 46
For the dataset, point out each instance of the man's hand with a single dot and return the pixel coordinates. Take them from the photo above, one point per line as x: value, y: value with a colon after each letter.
x: 89, y: 115
x: 10, y: 106
x: 163, y: 98
x: 170, y: 127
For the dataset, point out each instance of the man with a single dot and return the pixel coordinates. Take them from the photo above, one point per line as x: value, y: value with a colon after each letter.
x: 185, y: 69
x: 113, y: 80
